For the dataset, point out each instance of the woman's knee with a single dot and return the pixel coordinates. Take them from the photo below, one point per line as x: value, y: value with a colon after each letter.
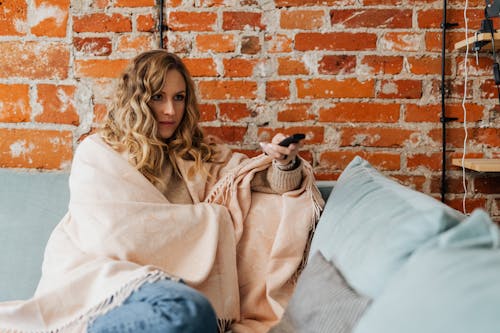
x: 166, y: 305
x: 182, y: 306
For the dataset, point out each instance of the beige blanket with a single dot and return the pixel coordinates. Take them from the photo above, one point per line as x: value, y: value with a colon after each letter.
x: 240, y: 248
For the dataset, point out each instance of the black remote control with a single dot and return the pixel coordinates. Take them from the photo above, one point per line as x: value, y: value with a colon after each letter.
x: 295, y: 138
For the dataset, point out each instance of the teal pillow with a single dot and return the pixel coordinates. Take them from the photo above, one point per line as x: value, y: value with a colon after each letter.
x: 451, y: 286
x: 372, y: 224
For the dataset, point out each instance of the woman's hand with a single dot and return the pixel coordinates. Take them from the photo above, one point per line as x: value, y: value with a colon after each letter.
x: 282, y: 155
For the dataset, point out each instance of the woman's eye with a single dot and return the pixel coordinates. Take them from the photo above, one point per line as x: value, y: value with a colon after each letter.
x: 156, y: 97
x: 179, y: 97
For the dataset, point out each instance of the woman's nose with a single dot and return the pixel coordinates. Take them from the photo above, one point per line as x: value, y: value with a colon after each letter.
x: 168, y: 107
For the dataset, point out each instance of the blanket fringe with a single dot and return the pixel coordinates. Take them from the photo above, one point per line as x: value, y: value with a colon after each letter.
x: 317, y: 203
x: 106, y: 305
x: 224, y: 325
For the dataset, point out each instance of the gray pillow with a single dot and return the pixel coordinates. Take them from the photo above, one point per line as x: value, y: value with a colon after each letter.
x: 322, y: 301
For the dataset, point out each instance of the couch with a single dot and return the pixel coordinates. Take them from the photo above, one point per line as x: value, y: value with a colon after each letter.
x: 31, y: 204
x: 384, y: 258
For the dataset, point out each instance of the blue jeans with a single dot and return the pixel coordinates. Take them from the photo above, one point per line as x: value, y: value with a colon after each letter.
x: 164, y: 306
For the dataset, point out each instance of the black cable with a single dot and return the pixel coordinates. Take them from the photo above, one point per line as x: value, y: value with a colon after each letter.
x: 160, y: 22
x: 443, y: 109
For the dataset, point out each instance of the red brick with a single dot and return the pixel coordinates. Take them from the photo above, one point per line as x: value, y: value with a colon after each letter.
x: 432, y: 18
x: 228, y: 134
x: 415, y: 182
x: 301, y: 3
x: 100, y: 22
x: 324, y: 174
x: 13, y: 18
x: 37, y: 149
x: 242, y: 21
x: 338, y: 160
x: 173, y: 3
x: 201, y: 66
x: 360, y: 112
x: 208, y: 112
x: 434, y: 41
x: 484, y: 67
x: 372, y: 18
x: 227, y: 89
x: 51, y: 18
x: 178, y: 43
x: 216, y: 42
x: 237, y: 67
x: 278, y: 43
x: 93, y: 46
x: 101, y: 3
x: 295, y: 113
x: 234, y: 111
x: 383, y: 64
x: 276, y: 90
x: 14, y: 103
x: 335, y: 41
x: 213, y: 3
x: 100, y: 68
x: 374, y: 137
x: 401, y: 41
x: 314, y: 134
x: 57, y: 104
x: 453, y: 185
x: 432, y: 113
x: 249, y: 2
x: 488, y: 89
x: 301, y: 19
x: 337, y: 64
x: 192, y: 21
x: 321, y: 88
x: 428, y: 161
x: 135, y: 3
x: 250, y: 45
x: 423, y: 113
x: 424, y: 65
x: 134, y: 43
x: 410, y: 89
x: 487, y: 183
x: 146, y: 23
x: 453, y: 88
x: 385, y: 2
x: 289, y: 66
x: 470, y: 203
x: 486, y: 137
x: 100, y: 112
x: 34, y: 60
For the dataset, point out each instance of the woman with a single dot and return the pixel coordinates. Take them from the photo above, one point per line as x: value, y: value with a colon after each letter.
x: 167, y: 230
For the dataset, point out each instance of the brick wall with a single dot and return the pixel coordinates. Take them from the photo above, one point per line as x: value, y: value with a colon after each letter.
x: 359, y: 77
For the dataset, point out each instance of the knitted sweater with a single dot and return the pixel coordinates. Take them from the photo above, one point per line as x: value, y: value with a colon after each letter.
x: 272, y: 180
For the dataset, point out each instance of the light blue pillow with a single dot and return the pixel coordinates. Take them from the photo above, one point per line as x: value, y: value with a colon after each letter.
x: 372, y: 224
x: 31, y: 204
x: 451, y: 286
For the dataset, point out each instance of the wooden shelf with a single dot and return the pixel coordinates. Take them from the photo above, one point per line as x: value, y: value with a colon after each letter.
x: 479, y: 164
x: 485, y: 36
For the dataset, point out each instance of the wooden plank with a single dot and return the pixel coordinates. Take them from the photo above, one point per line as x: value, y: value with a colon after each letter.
x: 479, y: 164
x: 485, y: 36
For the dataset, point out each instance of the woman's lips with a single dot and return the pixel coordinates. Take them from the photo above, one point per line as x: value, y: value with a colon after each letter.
x: 167, y: 123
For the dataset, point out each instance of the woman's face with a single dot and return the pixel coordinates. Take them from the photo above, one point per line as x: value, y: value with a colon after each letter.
x: 169, y: 104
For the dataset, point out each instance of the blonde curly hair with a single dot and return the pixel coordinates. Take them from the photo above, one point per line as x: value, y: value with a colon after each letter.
x: 131, y: 125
